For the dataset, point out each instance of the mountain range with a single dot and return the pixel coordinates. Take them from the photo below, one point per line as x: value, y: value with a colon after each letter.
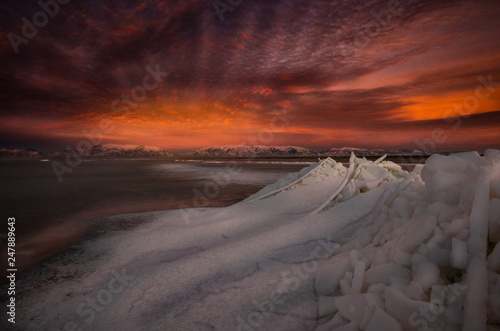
x: 98, y: 151
x: 230, y: 151
x: 251, y: 151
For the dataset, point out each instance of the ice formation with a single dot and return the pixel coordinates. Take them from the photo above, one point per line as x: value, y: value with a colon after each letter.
x: 428, y: 257
x: 364, y: 247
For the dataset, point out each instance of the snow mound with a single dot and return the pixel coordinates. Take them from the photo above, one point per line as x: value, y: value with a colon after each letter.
x: 424, y: 259
x: 318, y: 171
x: 361, y: 176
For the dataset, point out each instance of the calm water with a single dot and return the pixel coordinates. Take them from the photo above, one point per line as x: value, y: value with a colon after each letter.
x: 51, y: 216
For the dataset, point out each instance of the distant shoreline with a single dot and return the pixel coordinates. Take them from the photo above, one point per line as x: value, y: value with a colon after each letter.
x: 394, y: 158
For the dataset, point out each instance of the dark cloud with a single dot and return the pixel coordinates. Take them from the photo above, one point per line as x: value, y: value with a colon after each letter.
x: 317, y: 57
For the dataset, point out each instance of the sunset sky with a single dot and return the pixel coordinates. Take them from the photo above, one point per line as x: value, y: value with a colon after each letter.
x: 381, y: 74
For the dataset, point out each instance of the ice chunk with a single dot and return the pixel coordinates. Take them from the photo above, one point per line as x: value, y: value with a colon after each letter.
x: 472, y: 158
x: 329, y: 275
x: 441, y: 163
x: 374, y: 300
x: 410, y: 195
x: 445, y: 189
x: 421, y: 228
x: 436, y: 208
x: 399, y: 283
x: 367, y: 316
x: 403, y: 258
x: 402, y: 308
x: 382, y: 272
x: 385, y: 229
x: 403, y: 207
x: 351, y: 306
x: 336, y: 322
x: 494, y: 221
x: 422, y: 249
x: 454, y: 315
x: 494, y: 307
x: 447, y: 213
x: 476, y: 296
x: 353, y: 326
x: 440, y: 257
x: 383, y: 321
x: 459, y: 254
x: 432, y: 244
x: 494, y: 259
x: 367, y: 261
x: 479, y: 215
x: 418, y: 169
x: 345, y: 288
x: 368, y: 185
x: 427, y: 275
x: 495, y: 189
x: 491, y: 155
x: 437, y: 240
x: 326, y: 305
x: 456, y: 226
x: 454, y: 327
x: 391, y: 166
x: 348, y: 191
x: 376, y: 288
x: 416, y: 260
x: 357, y: 278
x: 415, y: 291
x: 463, y: 235
x: 437, y: 293
x: 365, y: 237
x: 374, y: 172
x: 466, y: 196
x: 354, y: 257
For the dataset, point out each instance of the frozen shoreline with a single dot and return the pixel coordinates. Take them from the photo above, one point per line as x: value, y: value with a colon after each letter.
x: 286, y: 258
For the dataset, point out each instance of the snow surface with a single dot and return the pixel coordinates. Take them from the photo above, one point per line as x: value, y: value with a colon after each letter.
x: 364, y: 247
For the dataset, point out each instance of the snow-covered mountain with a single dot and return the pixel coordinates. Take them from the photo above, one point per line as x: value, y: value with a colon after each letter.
x: 19, y: 153
x: 230, y: 151
x: 346, y: 151
x: 98, y: 151
x: 295, y: 151
x: 115, y: 150
x: 252, y: 151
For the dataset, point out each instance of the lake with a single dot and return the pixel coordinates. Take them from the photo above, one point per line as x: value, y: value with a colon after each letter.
x: 51, y: 216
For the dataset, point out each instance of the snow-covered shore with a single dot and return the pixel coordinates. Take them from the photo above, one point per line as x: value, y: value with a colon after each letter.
x: 364, y: 247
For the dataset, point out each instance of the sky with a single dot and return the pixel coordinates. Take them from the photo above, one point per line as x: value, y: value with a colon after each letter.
x: 190, y: 74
